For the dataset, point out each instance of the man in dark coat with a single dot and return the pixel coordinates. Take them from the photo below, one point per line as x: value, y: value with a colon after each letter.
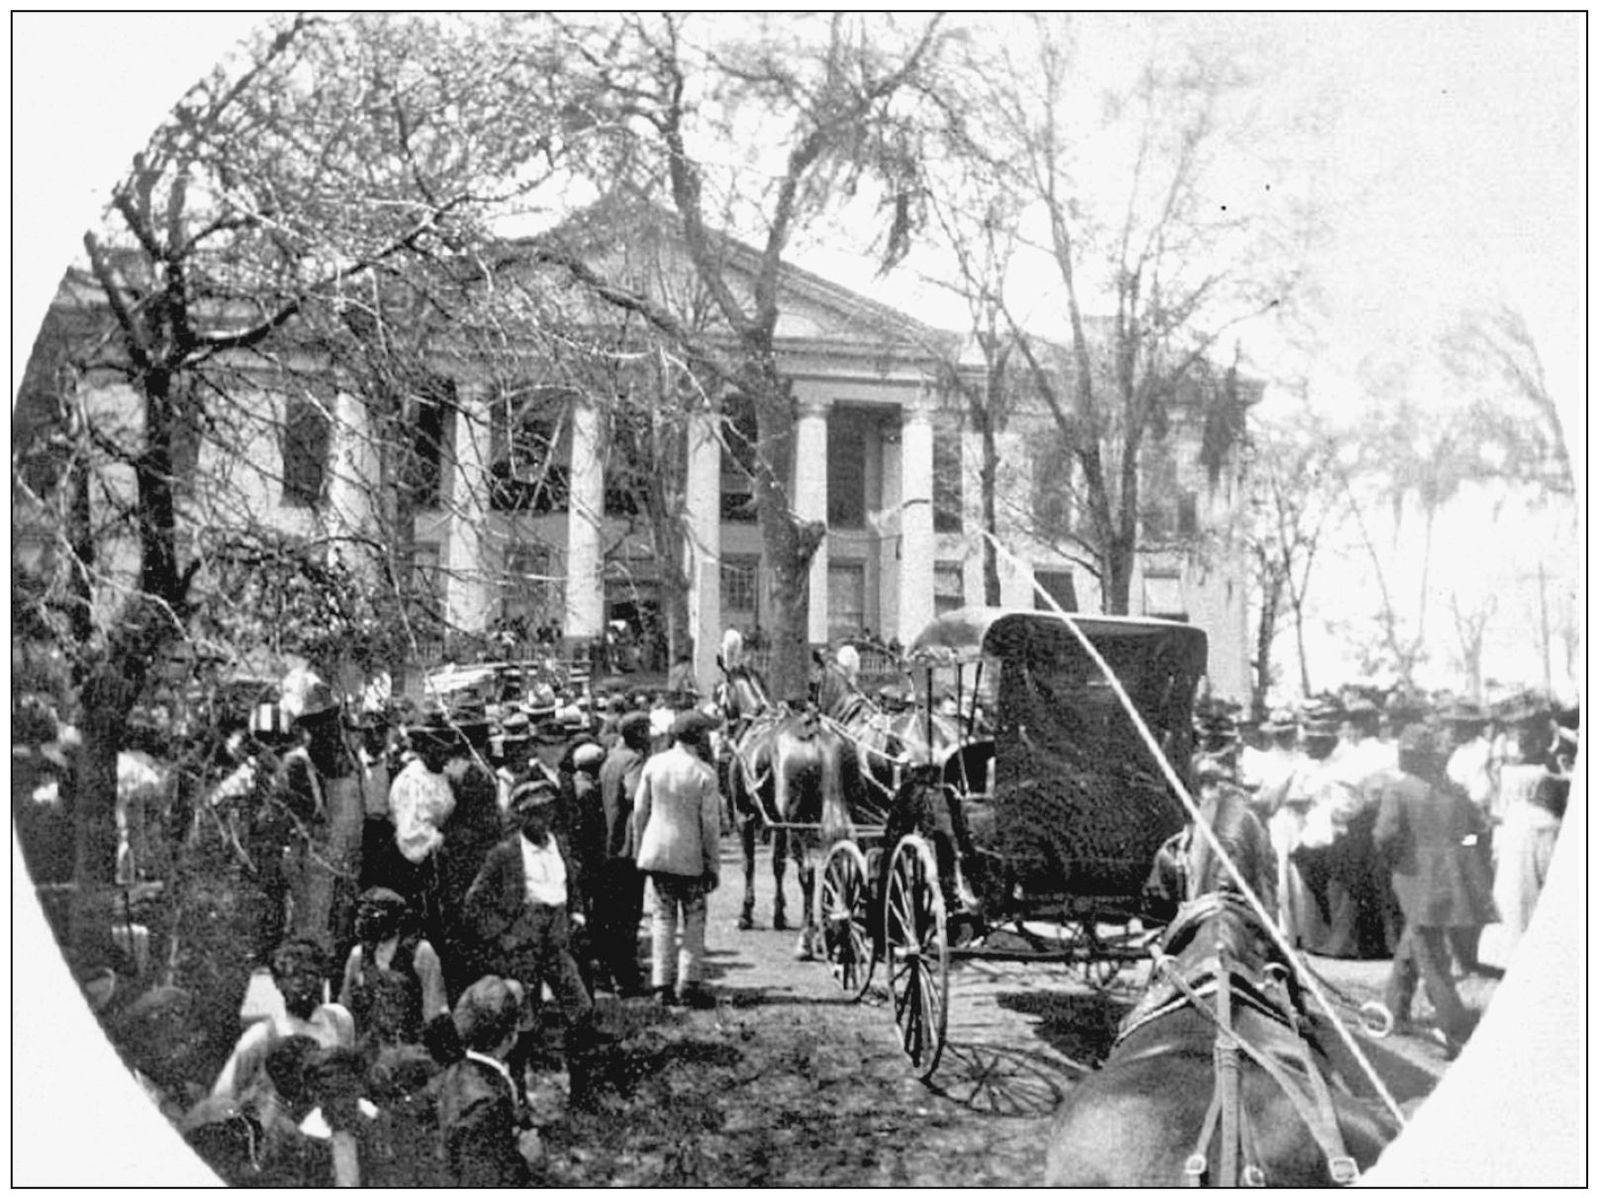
x: 522, y: 906
x: 1427, y: 830
x: 469, y: 834
x: 480, y: 1106
x: 617, y: 888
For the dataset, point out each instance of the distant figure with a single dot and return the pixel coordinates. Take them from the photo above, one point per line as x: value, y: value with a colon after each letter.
x: 848, y: 659
x: 1426, y: 832
x: 682, y: 680
x: 731, y: 650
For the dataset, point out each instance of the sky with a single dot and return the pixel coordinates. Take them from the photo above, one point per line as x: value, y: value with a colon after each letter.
x: 1457, y: 153
x: 1451, y: 175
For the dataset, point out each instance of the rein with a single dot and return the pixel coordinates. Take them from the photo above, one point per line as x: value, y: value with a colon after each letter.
x: 1316, y: 1109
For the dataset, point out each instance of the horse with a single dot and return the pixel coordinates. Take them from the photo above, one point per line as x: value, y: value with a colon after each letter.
x: 1220, y: 1050
x: 796, y: 774
x: 888, y: 745
x: 900, y: 757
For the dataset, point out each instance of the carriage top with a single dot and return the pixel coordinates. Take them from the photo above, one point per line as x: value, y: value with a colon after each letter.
x: 970, y: 633
x: 1079, y: 804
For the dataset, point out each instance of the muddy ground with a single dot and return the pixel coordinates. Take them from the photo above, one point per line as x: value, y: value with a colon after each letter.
x: 787, y: 1082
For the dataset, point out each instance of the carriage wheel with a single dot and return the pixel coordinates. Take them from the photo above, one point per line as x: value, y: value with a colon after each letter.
x: 842, y: 899
x: 917, y: 953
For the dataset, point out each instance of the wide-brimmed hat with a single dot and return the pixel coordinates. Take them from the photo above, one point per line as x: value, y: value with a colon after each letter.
x: 537, y: 792
x: 305, y: 695
x: 1214, y: 767
x: 690, y: 724
x: 1464, y: 711
x: 1280, y: 719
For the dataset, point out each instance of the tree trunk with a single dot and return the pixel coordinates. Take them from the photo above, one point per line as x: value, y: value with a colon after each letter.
x: 1265, y: 627
x: 988, y: 479
x: 1297, y: 610
x: 1118, y: 576
x: 107, y: 699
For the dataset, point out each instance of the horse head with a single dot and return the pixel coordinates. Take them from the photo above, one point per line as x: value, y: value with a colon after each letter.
x: 1187, y: 866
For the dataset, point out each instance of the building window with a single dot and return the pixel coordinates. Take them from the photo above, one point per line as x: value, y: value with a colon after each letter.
x: 425, y: 476
x: 1188, y: 515
x: 527, y: 473
x: 529, y: 591
x: 948, y: 587
x: 427, y: 589
x: 1061, y: 587
x: 306, y: 451
x: 948, y: 494
x: 739, y: 432
x: 739, y: 585
x: 845, y: 600
x: 1051, y: 487
x: 846, y: 436
x: 1163, y: 595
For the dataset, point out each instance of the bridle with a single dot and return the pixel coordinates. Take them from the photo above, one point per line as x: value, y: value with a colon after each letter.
x: 1217, y: 987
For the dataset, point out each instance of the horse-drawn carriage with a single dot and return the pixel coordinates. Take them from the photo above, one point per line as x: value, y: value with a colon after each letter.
x: 1032, y: 831
x: 1031, y: 838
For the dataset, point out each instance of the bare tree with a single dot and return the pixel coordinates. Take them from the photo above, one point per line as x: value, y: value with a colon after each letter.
x: 1291, y: 508
x: 840, y: 97
x: 1470, y: 628
x: 1176, y: 272
x: 318, y: 163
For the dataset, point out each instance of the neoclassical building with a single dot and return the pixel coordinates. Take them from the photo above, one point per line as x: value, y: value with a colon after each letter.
x: 515, y: 518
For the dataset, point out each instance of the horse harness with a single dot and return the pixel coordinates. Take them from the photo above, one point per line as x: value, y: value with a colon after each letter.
x: 1221, y: 978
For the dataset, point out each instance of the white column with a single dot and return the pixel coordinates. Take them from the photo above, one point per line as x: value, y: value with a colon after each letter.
x: 971, y: 507
x: 809, y: 499
x: 468, y: 582
x: 353, y: 483
x: 916, y: 548
x: 583, y: 581
x: 703, y: 542
x: 887, y: 565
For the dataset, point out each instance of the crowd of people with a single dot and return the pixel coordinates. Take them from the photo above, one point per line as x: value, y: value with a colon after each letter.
x: 434, y: 909
x: 1405, y: 831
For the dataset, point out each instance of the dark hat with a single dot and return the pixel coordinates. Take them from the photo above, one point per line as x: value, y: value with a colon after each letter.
x: 1213, y: 767
x: 381, y: 896
x: 1279, y: 720
x: 689, y: 725
x: 538, y: 792
x: 1464, y: 711
x: 1524, y: 710
x: 432, y: 725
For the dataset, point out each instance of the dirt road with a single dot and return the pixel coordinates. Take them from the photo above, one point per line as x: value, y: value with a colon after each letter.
x: 788, y: 1083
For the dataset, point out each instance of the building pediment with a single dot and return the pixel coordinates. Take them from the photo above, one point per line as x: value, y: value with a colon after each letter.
x: 643, y: 248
